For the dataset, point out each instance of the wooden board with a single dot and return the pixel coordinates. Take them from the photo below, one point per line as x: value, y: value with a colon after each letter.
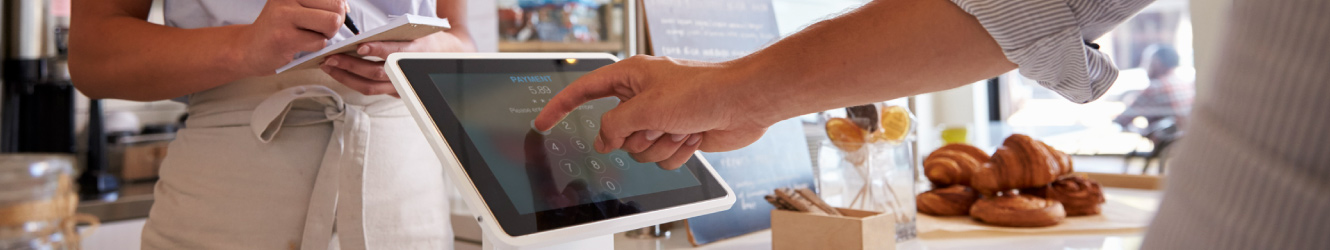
x: 1149, y: 182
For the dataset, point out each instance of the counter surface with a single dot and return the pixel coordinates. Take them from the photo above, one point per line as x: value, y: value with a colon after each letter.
x: 124, y: 234
x: 1146, y: 200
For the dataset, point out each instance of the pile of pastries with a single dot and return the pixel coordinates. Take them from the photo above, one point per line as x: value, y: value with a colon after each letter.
x: 1025, y: 183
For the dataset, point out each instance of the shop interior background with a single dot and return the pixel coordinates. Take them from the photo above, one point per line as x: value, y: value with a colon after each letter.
x: 989, y: 109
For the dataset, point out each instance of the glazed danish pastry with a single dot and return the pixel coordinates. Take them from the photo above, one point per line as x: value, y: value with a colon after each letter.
x: 1018, y: 211
x: 1079, y: 195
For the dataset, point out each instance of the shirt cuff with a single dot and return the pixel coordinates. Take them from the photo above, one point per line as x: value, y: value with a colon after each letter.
x: 1045, y: 40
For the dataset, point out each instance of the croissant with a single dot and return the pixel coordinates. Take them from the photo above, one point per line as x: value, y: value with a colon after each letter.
x: 949, y: 201
x: 1018, y: 211
x: 1079, y: 195
x: 953, y: 164
x: 1021, y: 162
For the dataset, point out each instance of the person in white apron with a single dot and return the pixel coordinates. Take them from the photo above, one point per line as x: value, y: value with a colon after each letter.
x: 283, y: 161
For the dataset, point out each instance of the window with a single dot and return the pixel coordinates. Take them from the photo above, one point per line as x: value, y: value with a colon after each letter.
x: 1147, y: 104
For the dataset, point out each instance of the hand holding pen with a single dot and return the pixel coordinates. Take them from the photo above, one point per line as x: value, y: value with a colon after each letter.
x: 347, y: 21
x: 283, y: 29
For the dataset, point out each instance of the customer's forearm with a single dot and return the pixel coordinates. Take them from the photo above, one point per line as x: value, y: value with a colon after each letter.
x: 884, y: 50
x: 132, y: 59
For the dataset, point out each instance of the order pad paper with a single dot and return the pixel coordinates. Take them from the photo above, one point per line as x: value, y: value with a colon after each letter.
x: 401, y: 28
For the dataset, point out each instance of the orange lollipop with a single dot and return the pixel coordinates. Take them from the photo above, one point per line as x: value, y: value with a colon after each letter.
x: 845, y: 135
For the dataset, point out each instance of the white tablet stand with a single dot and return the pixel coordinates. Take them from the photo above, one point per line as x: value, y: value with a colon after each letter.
x: 488, y: 242
x: 603, y: 229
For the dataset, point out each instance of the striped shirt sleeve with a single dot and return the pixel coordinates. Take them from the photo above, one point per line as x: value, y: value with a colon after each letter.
x: 1049, y: 39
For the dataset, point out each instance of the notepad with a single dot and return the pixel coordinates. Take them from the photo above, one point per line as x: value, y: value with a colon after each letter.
x: 400, y: 28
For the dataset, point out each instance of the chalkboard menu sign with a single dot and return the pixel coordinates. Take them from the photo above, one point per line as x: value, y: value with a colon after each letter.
x: 710, y: 30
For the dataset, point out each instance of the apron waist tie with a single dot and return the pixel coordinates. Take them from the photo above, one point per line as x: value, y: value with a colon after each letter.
x: 337, y: 197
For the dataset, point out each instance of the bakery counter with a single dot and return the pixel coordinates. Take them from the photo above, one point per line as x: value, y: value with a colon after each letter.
x: 124, y: 220
x: 132, y: 202
x: 1119, y: 239
x: 1146, y: 201
x: 124, y: 234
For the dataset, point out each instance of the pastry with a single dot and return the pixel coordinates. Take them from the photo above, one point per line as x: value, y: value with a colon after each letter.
x: 1021, y: 162
x: 949, y: 201
x: 1018, y: 211
x: 953, y: 164
x: 1079, y: 195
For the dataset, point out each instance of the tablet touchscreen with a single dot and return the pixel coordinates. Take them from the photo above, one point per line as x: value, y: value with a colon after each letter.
x: 555, y: 178
x: 543, y: 171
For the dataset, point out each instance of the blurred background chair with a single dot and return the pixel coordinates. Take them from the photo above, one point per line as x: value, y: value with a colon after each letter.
x: 1161, y: 135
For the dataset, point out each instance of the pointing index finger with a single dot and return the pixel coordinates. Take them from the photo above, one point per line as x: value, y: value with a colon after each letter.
x: 595, y: 85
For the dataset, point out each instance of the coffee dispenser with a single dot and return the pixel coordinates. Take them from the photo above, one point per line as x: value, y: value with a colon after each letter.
x: 37, y: 101
x: 37, y: 111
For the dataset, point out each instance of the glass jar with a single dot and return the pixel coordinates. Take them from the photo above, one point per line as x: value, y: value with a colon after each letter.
x: 37, y: 202
x: 866, y: 162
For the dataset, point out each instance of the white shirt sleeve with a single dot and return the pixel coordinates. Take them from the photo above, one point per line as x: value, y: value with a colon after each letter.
x: 1049, y: 39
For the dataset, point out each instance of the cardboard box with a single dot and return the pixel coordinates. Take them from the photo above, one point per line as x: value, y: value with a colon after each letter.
x: 143, y: 160
x: 858, y: 229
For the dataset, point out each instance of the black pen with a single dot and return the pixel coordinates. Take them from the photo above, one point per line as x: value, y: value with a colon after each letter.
x: 349, y: 24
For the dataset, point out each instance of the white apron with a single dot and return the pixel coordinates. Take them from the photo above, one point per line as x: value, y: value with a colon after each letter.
x: 281, y: 162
